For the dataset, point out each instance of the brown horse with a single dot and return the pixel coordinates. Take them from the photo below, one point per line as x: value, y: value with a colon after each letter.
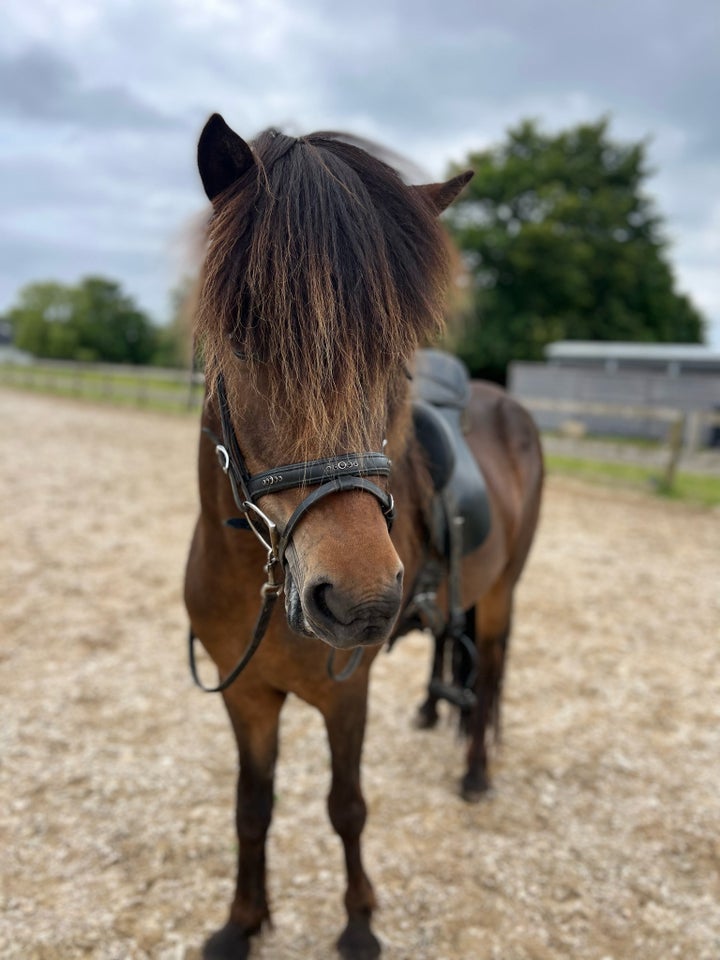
x: 323, y: 274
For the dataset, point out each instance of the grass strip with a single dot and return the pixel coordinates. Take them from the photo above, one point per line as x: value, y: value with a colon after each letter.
x: 691, y: 487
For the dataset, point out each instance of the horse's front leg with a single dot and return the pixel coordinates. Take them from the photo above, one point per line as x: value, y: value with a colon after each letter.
x: 345, y: 722
x: 255, y: 716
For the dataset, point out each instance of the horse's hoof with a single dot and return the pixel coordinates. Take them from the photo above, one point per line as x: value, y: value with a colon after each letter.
x: 231, y: 942
x: 475, y: 788
x: 358, y: 942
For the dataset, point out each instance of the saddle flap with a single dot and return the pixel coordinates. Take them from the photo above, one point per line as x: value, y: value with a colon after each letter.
x: 441, y: 391
x: 467, y: 494
x: 436, y: 440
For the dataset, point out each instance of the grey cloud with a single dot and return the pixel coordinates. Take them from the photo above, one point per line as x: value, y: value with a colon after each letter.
x: 39, y: 85
x: 449, y: 63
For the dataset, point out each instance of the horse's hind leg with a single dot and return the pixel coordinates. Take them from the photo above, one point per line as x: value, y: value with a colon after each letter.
x: 345, y: 722
x: 493, y: 619
x: 255, y: 719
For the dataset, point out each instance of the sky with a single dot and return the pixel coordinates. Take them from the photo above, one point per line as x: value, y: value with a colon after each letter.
x: 102, y: 101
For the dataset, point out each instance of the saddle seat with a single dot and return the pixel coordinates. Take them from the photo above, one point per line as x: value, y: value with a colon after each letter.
x: 440, y: 395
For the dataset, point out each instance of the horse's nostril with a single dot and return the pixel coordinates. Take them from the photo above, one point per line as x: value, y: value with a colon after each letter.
x: 319, y: 599
x: 329, y: 605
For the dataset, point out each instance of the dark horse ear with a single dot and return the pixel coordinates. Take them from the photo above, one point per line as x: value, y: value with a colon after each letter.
x: 441, y: 195
x: 223, y: 156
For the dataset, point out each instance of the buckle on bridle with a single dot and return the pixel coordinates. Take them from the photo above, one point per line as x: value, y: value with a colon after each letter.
x: 223, y: 457
x: 271, y: 542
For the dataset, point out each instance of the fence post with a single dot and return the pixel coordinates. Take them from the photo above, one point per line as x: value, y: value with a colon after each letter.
x: 141, y: 396
x: 694, y: 429
x: 675, y: 441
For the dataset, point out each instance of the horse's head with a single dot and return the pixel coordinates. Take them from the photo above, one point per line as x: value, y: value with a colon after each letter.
x: 324, y: 271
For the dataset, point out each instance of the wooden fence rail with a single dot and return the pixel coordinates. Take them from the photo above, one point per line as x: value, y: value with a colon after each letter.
x: 181, y: 390
x: 135, y: 386
x: 683, y: 435
x: 693, y: 420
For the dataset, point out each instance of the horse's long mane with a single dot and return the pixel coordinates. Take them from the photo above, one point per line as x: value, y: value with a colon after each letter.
x: 324, y: 271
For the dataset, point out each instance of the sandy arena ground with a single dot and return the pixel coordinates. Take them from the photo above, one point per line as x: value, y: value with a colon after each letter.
x: 117, y: 777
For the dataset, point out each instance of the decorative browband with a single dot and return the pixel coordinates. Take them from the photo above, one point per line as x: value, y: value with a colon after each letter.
x: 311, y: 472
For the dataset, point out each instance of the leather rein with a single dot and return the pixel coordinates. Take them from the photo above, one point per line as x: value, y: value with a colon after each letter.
x: 329, y: 475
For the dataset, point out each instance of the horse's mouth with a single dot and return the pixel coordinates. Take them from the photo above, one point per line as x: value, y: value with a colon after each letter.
x: 293, y: 607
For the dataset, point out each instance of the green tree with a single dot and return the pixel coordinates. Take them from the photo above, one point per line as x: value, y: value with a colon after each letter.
x: 561, y: 243
x: 92, y: 321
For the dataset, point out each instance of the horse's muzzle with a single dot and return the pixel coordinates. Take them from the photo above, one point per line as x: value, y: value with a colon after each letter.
x: 343, y: 619
x: 338, y: 616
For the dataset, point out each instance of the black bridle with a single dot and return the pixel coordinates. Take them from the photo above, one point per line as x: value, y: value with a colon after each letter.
x: 328, y: 475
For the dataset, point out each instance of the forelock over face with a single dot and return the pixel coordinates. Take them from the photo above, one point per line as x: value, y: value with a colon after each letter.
x: 325, y: 271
